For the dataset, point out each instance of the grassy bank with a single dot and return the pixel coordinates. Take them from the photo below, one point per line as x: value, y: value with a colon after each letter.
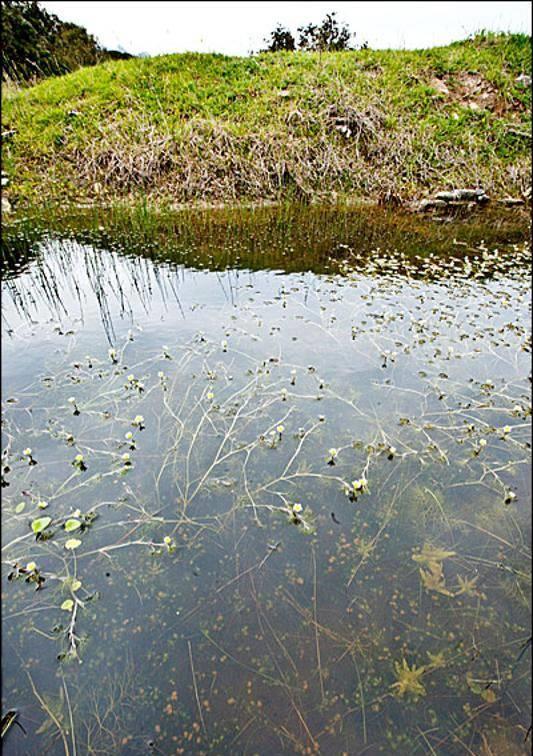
x: 194, y: 127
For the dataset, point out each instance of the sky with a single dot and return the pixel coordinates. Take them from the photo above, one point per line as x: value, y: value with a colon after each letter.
x: 237, y: 28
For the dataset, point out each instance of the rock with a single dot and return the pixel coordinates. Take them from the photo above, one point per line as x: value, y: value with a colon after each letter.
x: 511, y: 201
x: 5, y: 179
x: 431, y: 204
x: 523, y: 80
x: 6, y: 205
x: 447, y: 196
x: 463, y: 195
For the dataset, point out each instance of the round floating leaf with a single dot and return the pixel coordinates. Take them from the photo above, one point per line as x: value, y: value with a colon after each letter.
x: 71, y: 525
x: 72, y: 544
x: 20, y: 507
x: 67, y: 605
x: 75, y: 585
x: 40, y: 524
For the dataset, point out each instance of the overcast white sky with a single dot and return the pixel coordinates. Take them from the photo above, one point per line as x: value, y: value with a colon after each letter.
x: 236, y: 28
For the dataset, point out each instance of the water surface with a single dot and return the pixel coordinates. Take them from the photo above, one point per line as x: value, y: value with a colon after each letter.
x: 301, y: 514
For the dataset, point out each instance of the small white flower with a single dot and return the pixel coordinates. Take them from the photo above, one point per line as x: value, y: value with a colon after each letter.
x: 126, y: 457
x: 27, y: 452
x: 129, y: 435
x: 506, y: 429
x: 333, y: 452
x: 31, y: 566
x: 167, y: 540
x: 138, y: 420
x: 280, y: 429
x: 297, y: 508
x: 78, y: 458
x: 71, y: 400
x: 210, y: 395
x: 482, y: 442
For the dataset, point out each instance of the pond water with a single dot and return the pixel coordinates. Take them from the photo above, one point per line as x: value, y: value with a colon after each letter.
x: 266, y: 484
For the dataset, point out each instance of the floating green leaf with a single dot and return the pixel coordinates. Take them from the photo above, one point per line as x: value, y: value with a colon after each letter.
x: 71, y: 525
x: 20, y: 507
x: 67, y: 605
x: 75, y: 585
x: 40, y: 524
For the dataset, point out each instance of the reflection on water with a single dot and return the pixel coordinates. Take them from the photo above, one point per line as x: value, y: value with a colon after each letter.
x: 279, y: 480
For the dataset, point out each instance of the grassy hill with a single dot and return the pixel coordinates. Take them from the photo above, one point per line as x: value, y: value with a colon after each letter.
x: 196, y: 127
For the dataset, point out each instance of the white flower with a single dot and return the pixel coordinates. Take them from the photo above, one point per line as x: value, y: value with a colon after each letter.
x: 27, y: 452
x: 482, y: 442
x: 71, y: 400
x: 31, y: 566
x: 360, y: 485
x: 126, y: 457
x: 280, y: 429
x: 112, y: 354
x: 129, y: 435
x: 210, y: 395
x: 297, y: 508
x: 42, y: 504
x: 131, y: 378
x: 138, y: 420
x: 506, y: 428
x: 167, y: 540
x: 333, y: 452
x: 78, y: 458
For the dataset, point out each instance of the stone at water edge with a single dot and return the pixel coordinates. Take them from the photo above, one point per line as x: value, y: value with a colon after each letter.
x: 431, y: 204
x: 462, y: 195
x: 512, y: 201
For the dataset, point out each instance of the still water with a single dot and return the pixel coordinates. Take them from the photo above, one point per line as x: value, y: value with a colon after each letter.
x: 266, y: 484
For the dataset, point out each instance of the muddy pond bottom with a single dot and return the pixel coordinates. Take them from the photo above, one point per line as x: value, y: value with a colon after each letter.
x: 266, y: 485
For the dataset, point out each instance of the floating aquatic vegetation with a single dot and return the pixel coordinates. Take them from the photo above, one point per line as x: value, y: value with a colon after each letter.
x: 233, y: 570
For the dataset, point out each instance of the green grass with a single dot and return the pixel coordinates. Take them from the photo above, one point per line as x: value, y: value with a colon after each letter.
x: 196, y: 127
